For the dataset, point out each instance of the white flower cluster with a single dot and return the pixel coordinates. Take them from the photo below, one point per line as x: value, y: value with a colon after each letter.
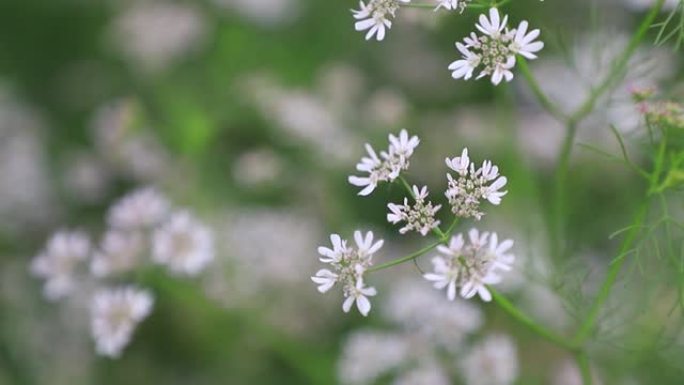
x: 470, y: 266
x: 388, y: 166
x: 472, y: 185
x: 419, y: 217
x: 452, y: 5
x: 494, y: 51
x: 428, y: 335
x: 375, y: 16
x: 348, y: 267
x: 141, y: 223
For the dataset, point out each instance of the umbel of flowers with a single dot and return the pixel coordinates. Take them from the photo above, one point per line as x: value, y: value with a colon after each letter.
x: 142, y: 223
x: 491, y: 49
x: 463, y: 267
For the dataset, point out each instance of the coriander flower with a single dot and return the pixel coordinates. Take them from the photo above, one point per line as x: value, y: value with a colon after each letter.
x: 119, y: 252
x: 58, y: 263
x: 115, y: 313
x: 469, y: 267
x: 452, y: 5
x: 183, y: 244
x: 493, y: 361
x: 466, y: 191
x: 387, y: 166
x: 419, y: 217
x: 375, y: 17
x: 141, y: 209
x: 495, y: 49
x: 348, y: 265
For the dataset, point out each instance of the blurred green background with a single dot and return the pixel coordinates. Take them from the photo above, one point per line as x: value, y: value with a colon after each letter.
x: 253, y: 113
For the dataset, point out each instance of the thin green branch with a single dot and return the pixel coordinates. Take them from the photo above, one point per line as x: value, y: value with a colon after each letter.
x: 545, y: 102
x: 584, y: 368
x: 527, y: 321
x: 559, y: 213
x: 620, y: 65
x: 407, y: 258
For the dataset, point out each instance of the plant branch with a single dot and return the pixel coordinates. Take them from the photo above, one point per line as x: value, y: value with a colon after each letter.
x: 407, y: 258
x: 545, y: 102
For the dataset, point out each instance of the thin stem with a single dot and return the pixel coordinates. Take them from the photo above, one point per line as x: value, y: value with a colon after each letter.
x: 621, y: 64
x: 559, y: 213
x: 526, y: 320
x: 545, y: 102
x: 584, y: 368
x: 407, y: 258
x: 587, y: 326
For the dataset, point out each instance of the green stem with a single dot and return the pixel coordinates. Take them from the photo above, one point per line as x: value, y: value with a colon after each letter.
x: 545, y: 102
x: 584, y: 368
x: 527, y: 321
x: 587, y: 326
x: 559, y: 213
x: 621, y: 64
x: 407, y: 258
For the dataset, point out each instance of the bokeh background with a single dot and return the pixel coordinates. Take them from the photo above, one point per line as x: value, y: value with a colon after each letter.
x: 253, y: 113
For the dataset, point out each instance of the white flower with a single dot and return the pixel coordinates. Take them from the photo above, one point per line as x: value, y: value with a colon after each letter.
x: 115, y: 313
x: 119, y: 252
x: 426, y: 374
x: 360, y: 295
x: 469, y: 267
x: 494, y: 51
x: 58, y: 263
x: 141, y: 209
x: 386, y: 167
x: 348, y: 266
x: 375, y: 17
x: 466, y: 191
x: 523, y: 42
x: 367, y: 355
x: 183, y: 244
x: 419, y: 217
x: 493, y: 361
x: 464, y: 68
x: 452, y: 5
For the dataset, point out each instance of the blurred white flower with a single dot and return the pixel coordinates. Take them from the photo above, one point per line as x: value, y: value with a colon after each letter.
x: 349, y: 265
x: 264, y: 12
x: 86, y: 177
x: 495, y: 49
x: 58, y: 263
x: 471, y: 186
x: 367, y: 355
x: 388, y: 166
x: 375, y: 17
x: 257, y: 167
x: 430, y: 374
x: 421, y: 311
x: 419, y: 217
x: 493, y: 361
x: 567, y: 373
x: 115, y: 313
x: 139, y: 210
x: 469, y: 267
x: 452, y: 5
x: 183, y: 245
x: 119, y: 252
x: 154, y: 34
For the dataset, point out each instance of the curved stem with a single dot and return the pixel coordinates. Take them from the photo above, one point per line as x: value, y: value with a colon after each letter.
x: 545, y: 102
x: 526, y: 320
x: 407, y: 258
x: 620, y: 65
x: 587, y: 327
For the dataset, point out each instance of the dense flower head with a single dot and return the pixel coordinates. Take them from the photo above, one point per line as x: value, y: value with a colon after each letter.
x: 452, y: 5
x: 493, y: 361
x: 183, y: 244
x: 58, y: 263
x: 493, y: 51
x: 387, y: 166
x: 375, y: 17
x: 419, y: 217
x: 140, y: 209
x: 115, y: 313
x: 469, y: 265
x: 472, y: 185
x: 119, y: 252
x: 347, y: 267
